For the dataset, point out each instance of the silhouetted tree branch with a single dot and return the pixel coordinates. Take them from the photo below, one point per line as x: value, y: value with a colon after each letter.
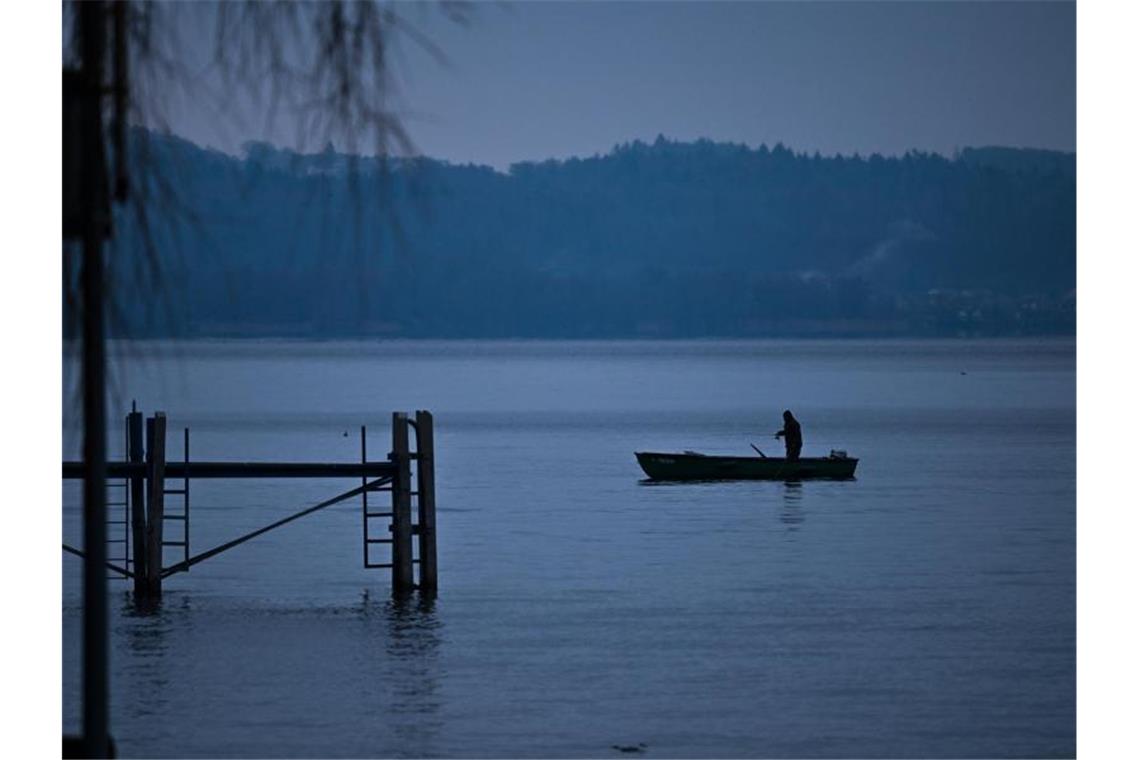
x: 323, y: 67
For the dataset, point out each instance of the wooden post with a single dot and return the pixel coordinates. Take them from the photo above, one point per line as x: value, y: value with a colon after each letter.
x: 425, y: 487
x: 156, y: 485
x: 402, y: 580
x: 138, y: 502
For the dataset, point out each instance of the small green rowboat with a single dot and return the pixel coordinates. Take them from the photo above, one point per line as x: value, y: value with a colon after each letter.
x: 693, y: 466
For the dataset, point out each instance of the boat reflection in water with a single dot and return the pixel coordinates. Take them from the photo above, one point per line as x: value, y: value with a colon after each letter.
x: 792, y: 514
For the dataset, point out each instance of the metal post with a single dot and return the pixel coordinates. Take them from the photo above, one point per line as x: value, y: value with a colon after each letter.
x: 156, y: 486
x: 425, y: 488
x: 186, y: 495
x: 402, y: 580
x: 126, y: 497
x: 138, y: 503
x: 364, y: 494
x: 121, y: 90
x: 92, y: 180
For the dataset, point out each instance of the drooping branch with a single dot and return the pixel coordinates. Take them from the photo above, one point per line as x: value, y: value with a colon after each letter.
x: 324, y: 67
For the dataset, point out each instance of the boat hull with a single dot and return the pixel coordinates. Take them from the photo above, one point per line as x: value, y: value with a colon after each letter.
x: 661, y: 466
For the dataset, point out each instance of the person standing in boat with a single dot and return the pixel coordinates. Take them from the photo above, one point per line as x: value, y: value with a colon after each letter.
x: 793, y: 437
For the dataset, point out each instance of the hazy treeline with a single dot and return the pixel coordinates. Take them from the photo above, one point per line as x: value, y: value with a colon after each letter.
x: 663, y: 239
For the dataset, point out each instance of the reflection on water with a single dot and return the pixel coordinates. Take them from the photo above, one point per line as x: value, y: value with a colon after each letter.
x: 792, y: 515
x: 579, y: 610
x: 413, y: 686
x: 246, y: 671
x: 145, y: 633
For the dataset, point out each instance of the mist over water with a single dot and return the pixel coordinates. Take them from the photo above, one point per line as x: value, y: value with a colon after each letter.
x: 925, y: 609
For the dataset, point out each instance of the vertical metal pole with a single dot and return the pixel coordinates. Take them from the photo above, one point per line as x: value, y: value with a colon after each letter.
x: 402, y: 580
x: 364, y: 495
x: 121, y: 96
x: 127, y: 496
x: 96, y: 692
x: 156, y: 486
x: 186, y: 496
x: 425, y: 488
x: 138, y: 503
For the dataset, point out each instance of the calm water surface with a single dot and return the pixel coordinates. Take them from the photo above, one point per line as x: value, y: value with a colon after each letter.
x: 925, y: 609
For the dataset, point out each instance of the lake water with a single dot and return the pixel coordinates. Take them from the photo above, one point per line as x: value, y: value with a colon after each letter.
x: 926, y: 608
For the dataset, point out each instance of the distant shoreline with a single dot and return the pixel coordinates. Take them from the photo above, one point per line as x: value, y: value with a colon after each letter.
x: 69, y: 343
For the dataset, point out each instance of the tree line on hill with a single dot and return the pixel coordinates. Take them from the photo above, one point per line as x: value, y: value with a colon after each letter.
x: 662, y: 239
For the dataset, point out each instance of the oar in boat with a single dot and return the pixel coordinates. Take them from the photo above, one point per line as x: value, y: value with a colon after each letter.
x: 758, y: 451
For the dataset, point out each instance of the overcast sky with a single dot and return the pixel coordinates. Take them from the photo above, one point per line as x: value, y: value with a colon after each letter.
x: 539, y: 80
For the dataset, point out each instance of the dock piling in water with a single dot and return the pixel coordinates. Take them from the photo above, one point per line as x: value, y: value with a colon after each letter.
x: 402, y: 578
x: 155, y: 501
x: 135, y: 454
x: 425, y: 499
x: 147, y: 470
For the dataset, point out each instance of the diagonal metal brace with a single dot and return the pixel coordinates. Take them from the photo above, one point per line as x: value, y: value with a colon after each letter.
x: 109, y: 565
x: 187, y: 564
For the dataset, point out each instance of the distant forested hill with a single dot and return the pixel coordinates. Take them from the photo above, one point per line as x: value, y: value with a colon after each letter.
x: 1022, y: 160
x: 667, y: 239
